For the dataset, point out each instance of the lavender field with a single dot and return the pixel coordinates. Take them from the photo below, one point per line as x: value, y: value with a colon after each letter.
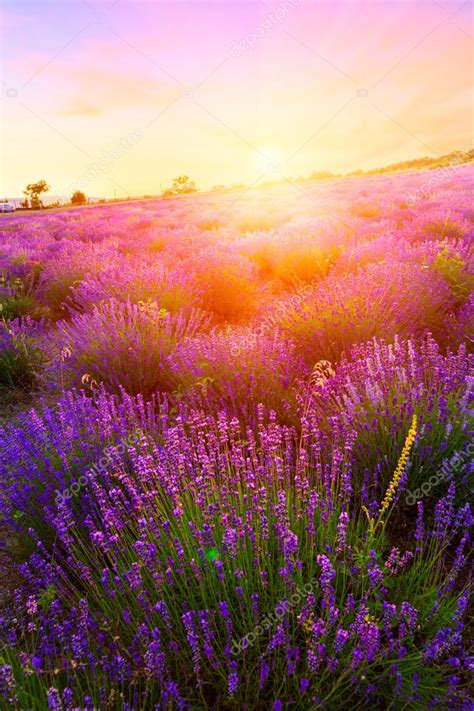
x: 236, y: 450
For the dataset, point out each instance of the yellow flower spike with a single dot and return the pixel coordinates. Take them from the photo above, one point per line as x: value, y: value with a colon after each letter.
x: 308, y: 625
x: 401, y: 466
x: 369, y: 517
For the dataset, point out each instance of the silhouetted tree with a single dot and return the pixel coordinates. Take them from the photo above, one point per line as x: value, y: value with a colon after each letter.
x: 182, y: 185
x: 33, y: 192
x: 78, y: 198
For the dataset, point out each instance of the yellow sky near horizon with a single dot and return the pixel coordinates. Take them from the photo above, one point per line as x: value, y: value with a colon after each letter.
x: 120, y: 97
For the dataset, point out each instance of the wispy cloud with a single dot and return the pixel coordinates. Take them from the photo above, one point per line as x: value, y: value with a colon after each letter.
x: 78, y: 108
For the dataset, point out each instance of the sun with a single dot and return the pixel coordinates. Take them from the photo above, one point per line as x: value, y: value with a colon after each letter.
x: 270, y: 160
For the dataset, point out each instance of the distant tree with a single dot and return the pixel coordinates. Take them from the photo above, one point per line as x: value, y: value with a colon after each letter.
x: 78, y: 198
x: 182, y: 185
x: 33, y: 192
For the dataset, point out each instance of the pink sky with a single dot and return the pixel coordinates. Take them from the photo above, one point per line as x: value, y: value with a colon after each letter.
x: 123, y: 96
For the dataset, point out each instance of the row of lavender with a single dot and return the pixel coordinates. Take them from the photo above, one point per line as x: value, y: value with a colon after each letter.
x: 187, y: 292
x: 260, y: 498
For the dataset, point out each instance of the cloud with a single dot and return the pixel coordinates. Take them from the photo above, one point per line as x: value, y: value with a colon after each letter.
x: 79, y: 108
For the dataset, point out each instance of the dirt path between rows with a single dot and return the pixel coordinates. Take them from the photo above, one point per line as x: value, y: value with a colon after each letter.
x: 9, y: 576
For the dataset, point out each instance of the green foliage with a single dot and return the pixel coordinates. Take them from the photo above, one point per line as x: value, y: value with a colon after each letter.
x: 453, y: 270
x: 16, y: 299
x: 20, y: 360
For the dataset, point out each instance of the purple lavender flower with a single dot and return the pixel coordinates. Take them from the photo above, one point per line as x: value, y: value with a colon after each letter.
x: 54, y: 700
x: 341, y: 532
x: 327, y: 576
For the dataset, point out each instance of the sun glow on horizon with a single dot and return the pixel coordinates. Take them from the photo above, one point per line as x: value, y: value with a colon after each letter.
x: 270, y: 160
x: 315, y: 92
